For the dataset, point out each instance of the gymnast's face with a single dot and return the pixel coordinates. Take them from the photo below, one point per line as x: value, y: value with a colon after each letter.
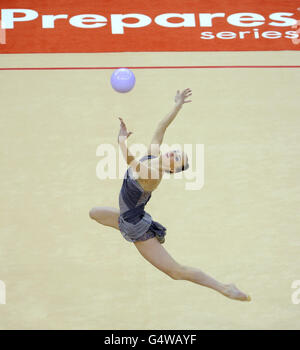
x: 174, y: 160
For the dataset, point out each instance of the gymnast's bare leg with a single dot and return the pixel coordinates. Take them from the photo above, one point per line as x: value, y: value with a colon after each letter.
x: 107, y: 216
x: 157, y: 255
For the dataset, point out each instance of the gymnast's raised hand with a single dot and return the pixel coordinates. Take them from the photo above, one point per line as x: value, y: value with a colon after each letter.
x: 181, y: 97
x: 123, y: 130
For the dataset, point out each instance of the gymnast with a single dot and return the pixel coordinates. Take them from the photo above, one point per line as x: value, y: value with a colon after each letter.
x: 137, y: 226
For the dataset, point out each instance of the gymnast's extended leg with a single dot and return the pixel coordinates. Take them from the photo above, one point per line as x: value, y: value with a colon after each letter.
x: 107, y: 216
x: 156, y: 254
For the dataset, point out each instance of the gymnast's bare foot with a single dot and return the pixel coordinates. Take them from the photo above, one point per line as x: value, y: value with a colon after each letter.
x: 232, y: 292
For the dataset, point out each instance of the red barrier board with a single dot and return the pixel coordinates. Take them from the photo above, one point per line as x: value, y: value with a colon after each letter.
x: 55, y: 26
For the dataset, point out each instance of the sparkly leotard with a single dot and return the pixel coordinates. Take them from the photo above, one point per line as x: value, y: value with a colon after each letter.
x: 134, y: 223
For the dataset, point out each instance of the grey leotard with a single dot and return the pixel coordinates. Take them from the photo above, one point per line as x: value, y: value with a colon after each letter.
x: 134, y: 223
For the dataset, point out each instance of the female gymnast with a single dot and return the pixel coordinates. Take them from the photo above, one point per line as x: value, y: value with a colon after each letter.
x: 141, y: 179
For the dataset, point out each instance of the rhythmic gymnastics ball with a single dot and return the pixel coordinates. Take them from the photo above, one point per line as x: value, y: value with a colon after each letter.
x: 122, y: 80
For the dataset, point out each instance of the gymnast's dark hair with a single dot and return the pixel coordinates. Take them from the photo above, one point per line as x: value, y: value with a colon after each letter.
x: 182, y: 169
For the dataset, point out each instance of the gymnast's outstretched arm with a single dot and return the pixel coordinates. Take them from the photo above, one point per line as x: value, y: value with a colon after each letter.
x: 161, y: 128
x: 137, y: 166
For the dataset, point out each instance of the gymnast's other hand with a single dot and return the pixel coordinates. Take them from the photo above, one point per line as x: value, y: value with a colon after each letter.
x: 123, y: 134
x: 181, y: 97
